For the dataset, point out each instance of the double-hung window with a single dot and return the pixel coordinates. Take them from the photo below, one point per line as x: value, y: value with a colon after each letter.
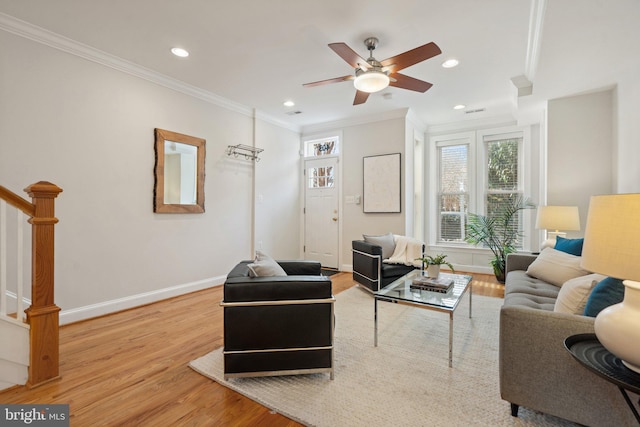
x: 475, y: 172
x: 455, y: 166
x: 502, y: 173
x: 453, y: 197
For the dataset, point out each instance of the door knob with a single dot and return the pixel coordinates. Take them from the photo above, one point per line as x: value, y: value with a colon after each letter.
x: 334, y: 218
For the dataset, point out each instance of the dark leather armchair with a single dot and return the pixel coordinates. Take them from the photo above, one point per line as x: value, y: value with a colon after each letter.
x: 278, y: 325
x: 370, y: 271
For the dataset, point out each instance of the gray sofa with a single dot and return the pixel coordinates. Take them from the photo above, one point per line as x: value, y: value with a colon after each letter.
x: 536, y: 371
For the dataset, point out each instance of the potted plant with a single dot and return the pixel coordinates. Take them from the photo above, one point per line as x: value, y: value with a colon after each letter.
x: 498, y: 232
x: 434, y: 263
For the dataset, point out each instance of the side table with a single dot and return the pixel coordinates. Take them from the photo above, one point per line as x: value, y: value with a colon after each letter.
x: 587, y: 350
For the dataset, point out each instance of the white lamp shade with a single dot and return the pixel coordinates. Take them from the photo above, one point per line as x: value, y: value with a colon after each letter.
x: 558, y: 218
x: 612, y: 236
x: 371, y: 81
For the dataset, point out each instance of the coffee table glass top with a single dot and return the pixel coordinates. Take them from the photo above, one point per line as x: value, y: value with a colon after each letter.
x: 401, y: 290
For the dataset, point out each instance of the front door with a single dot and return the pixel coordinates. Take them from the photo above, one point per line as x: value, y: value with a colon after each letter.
x: 321, y: 211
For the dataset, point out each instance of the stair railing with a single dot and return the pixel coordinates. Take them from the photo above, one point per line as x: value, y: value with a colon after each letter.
x: 42, y: 315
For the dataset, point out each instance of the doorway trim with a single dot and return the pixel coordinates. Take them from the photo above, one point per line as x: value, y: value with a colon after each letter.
x: 303, y: 140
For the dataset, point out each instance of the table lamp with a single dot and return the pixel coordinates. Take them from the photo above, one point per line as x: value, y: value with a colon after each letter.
x: 557, y: 218
x: 612, y: 247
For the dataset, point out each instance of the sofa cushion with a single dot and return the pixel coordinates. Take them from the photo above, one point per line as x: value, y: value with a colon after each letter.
x: 556, y: 267
x: 570, y: 246
x: 277, y: 288
x: 265, y: 266
x: 521, y: 283
x: 395, y: 270
x: 607, y: 292
x: 526, y: 291
x: 574, y: 293
x: 531, y: 301
x: 385, y: 241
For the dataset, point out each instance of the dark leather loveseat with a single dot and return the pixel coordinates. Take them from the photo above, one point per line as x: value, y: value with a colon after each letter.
x: 280, y: 325
x: 370, y: 271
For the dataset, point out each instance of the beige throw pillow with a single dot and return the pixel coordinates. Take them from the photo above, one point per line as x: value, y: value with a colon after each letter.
x: 575, y: 292
x: 385, y: 241
x: 265, y: 266
x: 556, y: 267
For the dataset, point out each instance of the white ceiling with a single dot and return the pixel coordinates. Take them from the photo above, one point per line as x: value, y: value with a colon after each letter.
x: 259, y: 53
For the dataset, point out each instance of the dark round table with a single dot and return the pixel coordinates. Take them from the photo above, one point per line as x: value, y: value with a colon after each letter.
x: 587, y: 350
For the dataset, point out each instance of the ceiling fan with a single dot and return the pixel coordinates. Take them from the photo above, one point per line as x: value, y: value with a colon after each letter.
x: 372, y: 75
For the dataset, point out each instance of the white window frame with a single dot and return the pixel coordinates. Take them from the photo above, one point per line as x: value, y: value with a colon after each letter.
x: 497, y: 135
x: 478, y: 174
x: 307, y: 142
x: 463, y: 138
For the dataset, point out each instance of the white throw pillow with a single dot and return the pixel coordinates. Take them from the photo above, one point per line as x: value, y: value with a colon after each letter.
x: 556, y: 267
x: 575, y: 292
x: 265, y: 266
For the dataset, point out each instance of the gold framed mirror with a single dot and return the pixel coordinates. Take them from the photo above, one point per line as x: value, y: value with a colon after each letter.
x: 179, y: 173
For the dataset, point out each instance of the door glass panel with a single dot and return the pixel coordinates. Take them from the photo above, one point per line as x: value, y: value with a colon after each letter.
x: 321, y: 147
x: 321, y: 177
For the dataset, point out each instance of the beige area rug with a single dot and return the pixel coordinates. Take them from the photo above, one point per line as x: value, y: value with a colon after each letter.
x: 405, y: 380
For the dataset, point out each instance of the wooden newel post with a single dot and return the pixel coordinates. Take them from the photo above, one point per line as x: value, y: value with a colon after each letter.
x: 43, y: 313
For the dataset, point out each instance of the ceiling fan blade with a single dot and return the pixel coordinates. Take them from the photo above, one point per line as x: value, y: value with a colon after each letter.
x: 412, y: 57
x: 324, y: 82
x: 349, y: 55
x: 406, y: 82
x: 361, y: 97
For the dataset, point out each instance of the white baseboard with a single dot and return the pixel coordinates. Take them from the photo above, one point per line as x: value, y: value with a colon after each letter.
x: 472, y: 269
x: 107, y: 307
x: 458, y: 267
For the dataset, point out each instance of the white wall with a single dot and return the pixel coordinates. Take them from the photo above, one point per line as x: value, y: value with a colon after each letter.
x: 375, y: 136
x: 627, y: 134
x: 89, y: 129
x: 580, y: 150
x: 371, y: 139
x: 277, y: 192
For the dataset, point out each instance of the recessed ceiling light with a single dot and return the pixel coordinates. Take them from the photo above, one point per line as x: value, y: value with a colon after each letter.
x: 178, y: 51
x: 288, y: 103
x: 459, y: 107
x: 450, y: 63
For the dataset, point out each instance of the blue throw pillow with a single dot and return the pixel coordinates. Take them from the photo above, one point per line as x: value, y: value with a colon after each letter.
x: 570, y: 246
x: 607, y: 292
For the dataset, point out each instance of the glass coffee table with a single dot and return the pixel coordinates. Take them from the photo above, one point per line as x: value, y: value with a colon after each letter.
x: 400, y: 291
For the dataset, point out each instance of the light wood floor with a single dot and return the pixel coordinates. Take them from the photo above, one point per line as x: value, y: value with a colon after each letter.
x: 130, y: 368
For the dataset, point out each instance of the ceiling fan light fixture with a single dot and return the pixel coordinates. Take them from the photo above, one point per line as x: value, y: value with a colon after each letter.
x: 371, y: 81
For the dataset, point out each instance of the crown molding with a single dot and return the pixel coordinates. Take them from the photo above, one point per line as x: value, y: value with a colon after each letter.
x: 355, y: 121
x: 419, y: 124
x: 476, y: 124
x: 43, y: 36
x: 536, y: 24
x: 276, y: 122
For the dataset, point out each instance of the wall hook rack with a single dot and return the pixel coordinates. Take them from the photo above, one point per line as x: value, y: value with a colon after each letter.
x: 249, y: 153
